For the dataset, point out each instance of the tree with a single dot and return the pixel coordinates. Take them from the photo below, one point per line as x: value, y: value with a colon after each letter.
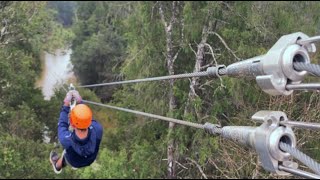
x: 65, y: 11
x: 213, y: 33
x: 26, y: 30
x: 98, y: 48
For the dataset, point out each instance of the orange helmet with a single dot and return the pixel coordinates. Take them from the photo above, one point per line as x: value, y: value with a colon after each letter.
x: 81, y: 116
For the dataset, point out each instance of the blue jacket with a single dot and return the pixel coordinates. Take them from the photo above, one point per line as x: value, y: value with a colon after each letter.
x: 79, y: 153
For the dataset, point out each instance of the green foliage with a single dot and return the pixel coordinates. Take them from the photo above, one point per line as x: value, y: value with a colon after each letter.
x: 249, y: 29
x: 24, y: 123
x: 20, y: 65
x: 98, y: 48
x: 98, y: 55
x: 114, y: 41
x: 110, y: 165
x: 66, y: 11
x: 28, y: 28
x: 130, y: 163
x: 22, y: 158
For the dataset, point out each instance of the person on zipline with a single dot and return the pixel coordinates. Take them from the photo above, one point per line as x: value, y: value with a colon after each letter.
x: 81, y: 145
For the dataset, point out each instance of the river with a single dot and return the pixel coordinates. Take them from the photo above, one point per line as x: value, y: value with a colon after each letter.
x: 56, y: 70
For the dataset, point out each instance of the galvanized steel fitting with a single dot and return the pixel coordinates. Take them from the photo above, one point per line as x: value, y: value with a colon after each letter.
x: 274, y: 70
x: 265, y: 139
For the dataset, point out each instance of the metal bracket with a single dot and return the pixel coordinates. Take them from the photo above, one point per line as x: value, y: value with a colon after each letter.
x: 274, y: 70
x: 267, y: 139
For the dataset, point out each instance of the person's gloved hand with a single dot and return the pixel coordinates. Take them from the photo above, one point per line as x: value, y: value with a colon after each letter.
x: 68, y: 98
x: 77, y: 96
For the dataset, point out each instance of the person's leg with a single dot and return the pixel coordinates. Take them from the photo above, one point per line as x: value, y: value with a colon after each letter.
x: 65, y: 162
x: 54, y: 159
x: 57, y: 163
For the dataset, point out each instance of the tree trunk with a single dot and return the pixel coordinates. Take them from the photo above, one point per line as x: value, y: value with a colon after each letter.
x: 194, y: 84
x: 172, y: 105
x: 171, y: 56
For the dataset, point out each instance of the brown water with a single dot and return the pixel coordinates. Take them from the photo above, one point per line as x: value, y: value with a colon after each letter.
x: 57, y: 69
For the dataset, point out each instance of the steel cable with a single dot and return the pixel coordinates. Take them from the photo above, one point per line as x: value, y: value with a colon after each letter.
x: 220, y: 71
x: 177, y: 121
x: 313, y: 69
x: 308, y: 161
x: 178, y: 76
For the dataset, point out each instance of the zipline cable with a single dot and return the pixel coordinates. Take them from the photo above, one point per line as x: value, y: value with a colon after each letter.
x: 178, y: 76
x: 177, y: 121
x: 213, y: 71
x: 299, y: 172
x: 301, y: 157
x: 313, y: 69
x: 225, y: 132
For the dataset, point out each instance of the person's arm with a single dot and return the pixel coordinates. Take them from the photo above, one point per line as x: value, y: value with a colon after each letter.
x: 98, y: 127
x: 63, y: 127
x: 64, y: 134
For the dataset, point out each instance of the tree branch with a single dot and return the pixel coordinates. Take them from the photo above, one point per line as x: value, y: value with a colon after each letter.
x: 181, y: 165
x: 213, y: 56
x: 162, y: 15
x: 174, y: 12
x: 34, y: 12
x: 192, y: 50
x: 214, y: 164
x: 192, y: 88
x: 176, y: 55
x: 153, y: 9
x: 198, y: 166
x: 206, y: 66
x: 225, y: 44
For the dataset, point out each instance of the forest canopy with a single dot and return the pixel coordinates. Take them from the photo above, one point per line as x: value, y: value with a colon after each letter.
x: 126, y: 40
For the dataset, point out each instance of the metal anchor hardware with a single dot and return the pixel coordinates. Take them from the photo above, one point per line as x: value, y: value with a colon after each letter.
x: 274, y: 71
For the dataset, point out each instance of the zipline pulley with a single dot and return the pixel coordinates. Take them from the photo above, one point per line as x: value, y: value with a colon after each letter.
x: 73, y: 100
